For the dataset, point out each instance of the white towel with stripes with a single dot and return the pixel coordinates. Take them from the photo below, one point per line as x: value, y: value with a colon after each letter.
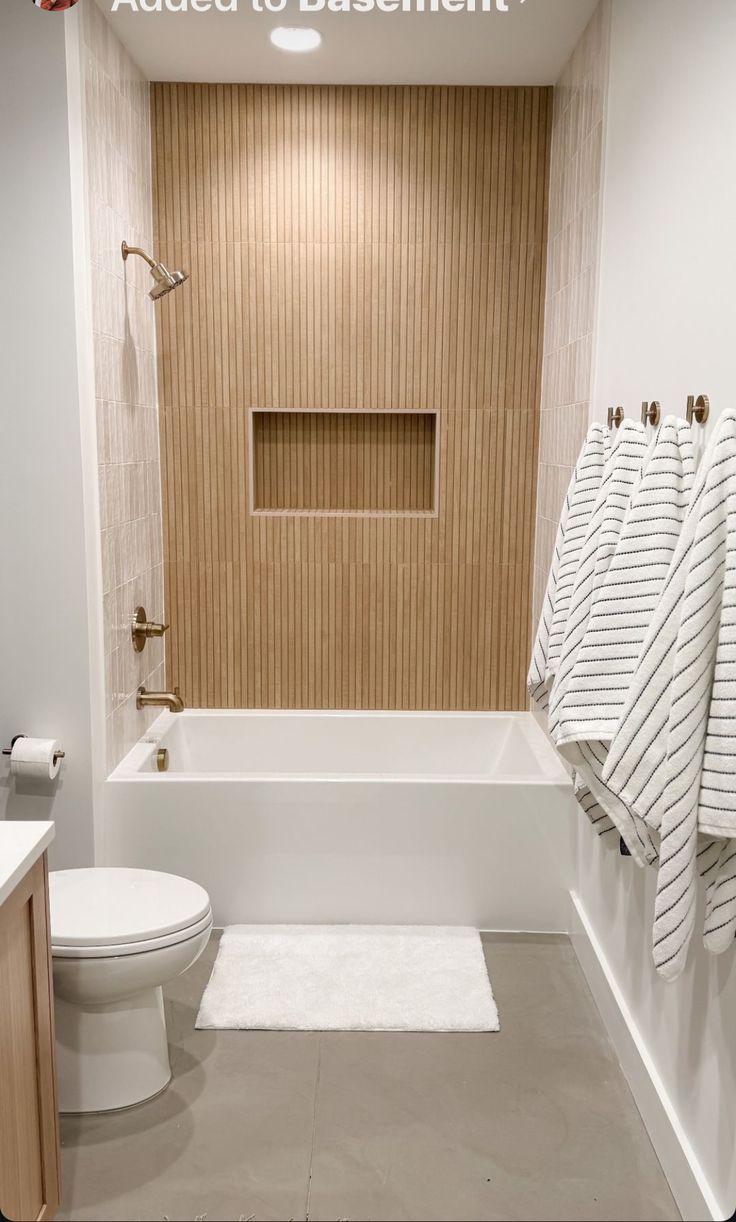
x: 720, y: 912
x: 622, y: 608
x: 574, y: 521
x: 622, y: 471
x: 673, y: 758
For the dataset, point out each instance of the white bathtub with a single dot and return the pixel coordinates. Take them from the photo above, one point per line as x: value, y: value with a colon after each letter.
x: 441, y: 818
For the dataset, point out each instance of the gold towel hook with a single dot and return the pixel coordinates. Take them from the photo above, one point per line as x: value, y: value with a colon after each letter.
x: 615, y: 416
x: 651, y: 413
x: 698, y: 409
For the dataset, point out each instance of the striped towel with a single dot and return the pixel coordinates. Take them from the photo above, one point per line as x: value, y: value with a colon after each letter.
x: 594, y: 698
x: 622, y: 472
x: 576, y: 511
x: 720, y: 912
x: 673, y: 758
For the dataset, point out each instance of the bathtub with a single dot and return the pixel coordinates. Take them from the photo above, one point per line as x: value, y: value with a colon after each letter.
x: 424, y: 818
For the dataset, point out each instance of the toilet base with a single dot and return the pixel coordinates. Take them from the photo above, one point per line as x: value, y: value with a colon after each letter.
x: 111, y: 1056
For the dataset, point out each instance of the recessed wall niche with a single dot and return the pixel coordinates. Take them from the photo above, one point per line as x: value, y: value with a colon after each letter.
x: 350, y: 463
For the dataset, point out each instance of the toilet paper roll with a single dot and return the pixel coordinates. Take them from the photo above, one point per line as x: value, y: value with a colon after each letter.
x: 34, y: 757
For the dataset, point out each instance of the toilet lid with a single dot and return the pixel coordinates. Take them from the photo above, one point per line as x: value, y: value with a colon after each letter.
x: 113, y: 907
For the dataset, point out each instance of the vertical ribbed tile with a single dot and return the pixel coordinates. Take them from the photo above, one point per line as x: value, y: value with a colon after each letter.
x: 118, y: 178
x: 352, y: 250
x: 572, y: 270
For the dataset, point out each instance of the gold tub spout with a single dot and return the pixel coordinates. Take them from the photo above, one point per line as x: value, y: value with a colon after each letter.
x: 163, y: 700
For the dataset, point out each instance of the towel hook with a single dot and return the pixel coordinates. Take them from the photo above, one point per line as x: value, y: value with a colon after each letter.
x: 615, y: 416
x: 698, y: 409
x: 651, y: 413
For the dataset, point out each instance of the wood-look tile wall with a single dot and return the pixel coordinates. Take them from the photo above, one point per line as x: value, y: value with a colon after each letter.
x: 351, y: 248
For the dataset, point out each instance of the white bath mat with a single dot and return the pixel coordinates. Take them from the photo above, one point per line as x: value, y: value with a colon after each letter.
x: 349, y: 978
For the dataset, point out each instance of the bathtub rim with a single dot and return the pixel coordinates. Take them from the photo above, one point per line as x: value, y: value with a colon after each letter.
x: 134, y: 767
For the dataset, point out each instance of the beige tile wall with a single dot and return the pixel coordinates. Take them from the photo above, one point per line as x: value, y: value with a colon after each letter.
x: 118, y: 146
x: 572, y: 274
x: 413, y: 278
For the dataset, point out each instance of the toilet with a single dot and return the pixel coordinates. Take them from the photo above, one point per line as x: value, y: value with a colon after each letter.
x: 117, y: 936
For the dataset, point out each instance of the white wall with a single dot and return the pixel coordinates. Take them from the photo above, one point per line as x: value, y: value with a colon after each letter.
x: 666, y: 325
x: 47, y: 677
x: 666, y: 322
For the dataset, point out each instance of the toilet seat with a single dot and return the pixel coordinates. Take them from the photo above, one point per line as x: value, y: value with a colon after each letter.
x: 103, y: 913
x: 59, y: 951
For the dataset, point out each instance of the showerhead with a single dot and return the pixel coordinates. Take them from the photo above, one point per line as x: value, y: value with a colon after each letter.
x: 165, y: 281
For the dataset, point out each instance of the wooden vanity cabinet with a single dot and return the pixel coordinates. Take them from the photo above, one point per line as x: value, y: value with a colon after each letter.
x: 29, y: 1129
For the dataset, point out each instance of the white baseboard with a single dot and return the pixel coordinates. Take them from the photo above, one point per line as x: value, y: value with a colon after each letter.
x: 689, y: 1185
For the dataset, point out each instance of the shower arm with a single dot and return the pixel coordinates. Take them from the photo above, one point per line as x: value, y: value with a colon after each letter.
x: 136, y: 250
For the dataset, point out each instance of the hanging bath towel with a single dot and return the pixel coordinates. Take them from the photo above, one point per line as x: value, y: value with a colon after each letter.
x: 622, y: 471
x: 623, y: 606
x: 673, y: 758
x: 574, y: 521
x: 720, y: 913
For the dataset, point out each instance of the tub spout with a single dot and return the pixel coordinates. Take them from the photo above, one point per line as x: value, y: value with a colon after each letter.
x: 163, y: 700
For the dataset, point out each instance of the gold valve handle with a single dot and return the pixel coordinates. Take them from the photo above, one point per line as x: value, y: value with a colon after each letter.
x: 155, y: 630
x: 142, y: 630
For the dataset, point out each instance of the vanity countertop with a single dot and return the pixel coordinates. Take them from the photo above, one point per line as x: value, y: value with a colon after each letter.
x: 21, y: 844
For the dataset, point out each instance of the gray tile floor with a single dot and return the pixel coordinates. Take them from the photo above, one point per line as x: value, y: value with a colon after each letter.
x: 535, y: 1122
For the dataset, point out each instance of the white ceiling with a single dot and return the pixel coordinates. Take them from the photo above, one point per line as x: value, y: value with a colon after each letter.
x: 528, y: 45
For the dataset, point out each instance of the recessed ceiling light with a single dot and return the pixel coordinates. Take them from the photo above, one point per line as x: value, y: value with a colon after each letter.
x: 295, y: 38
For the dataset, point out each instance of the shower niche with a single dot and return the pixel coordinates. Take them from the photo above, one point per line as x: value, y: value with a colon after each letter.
x: 344, y: 463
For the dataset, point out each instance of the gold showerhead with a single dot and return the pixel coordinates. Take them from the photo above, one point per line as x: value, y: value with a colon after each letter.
x: 165, y: 281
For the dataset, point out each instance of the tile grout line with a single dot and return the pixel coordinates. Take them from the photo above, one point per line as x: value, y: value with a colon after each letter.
x: 314, y: 1128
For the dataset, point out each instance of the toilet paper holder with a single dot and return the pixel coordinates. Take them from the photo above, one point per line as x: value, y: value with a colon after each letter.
x: 58, y: 755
